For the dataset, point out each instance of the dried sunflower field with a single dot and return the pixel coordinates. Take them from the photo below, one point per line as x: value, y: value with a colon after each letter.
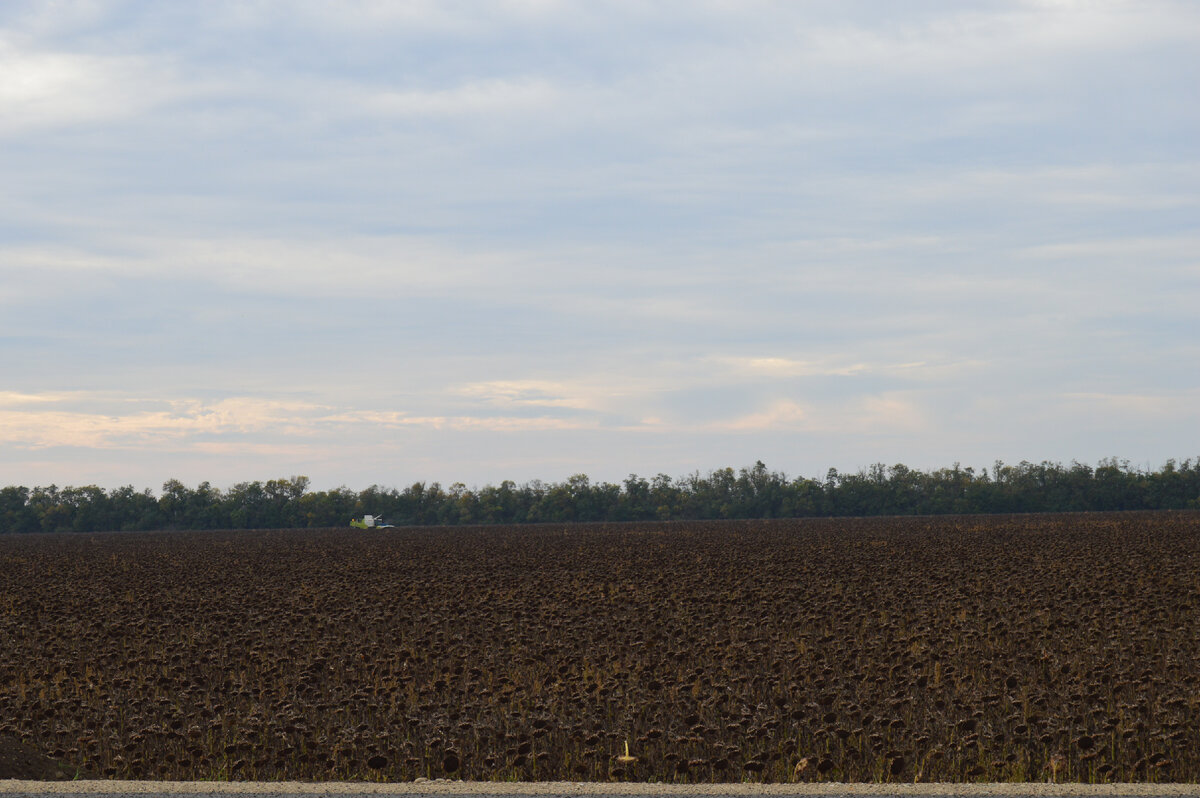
x: 1005, y: 648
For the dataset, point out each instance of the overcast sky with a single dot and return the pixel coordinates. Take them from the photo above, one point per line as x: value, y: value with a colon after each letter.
x: 382, y: 242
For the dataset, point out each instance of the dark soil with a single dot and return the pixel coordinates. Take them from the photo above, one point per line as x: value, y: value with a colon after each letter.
x: 954, y: 649
x: 21, y: 761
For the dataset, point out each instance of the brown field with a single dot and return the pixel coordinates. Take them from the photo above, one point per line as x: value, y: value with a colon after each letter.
x: 930, y: 649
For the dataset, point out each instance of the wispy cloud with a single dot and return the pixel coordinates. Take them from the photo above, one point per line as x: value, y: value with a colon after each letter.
x: 125, y: 424
x: 474, y: 97
x: 1173, y: 251
x: 891, y: 413
x: 530, y: 393
x: 781, y: 415
x: 1175, y: 406
x: 355, y: 266
x: 18, y: 399
x: 788, y: 367
x: 193, y: 423
x: 44, y: 89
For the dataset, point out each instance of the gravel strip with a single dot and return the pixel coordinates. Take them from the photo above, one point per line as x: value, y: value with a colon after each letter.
x: 460, y: 788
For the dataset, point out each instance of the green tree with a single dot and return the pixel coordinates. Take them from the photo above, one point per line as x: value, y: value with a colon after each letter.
x: 16, y: 514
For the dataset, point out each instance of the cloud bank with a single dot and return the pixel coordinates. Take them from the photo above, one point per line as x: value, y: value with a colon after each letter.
x: 386, y: 242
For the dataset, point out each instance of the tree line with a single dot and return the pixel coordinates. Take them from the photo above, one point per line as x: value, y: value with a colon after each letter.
x: 754, y: 492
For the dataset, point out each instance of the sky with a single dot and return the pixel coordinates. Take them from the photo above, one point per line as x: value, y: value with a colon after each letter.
x: 386, y: 242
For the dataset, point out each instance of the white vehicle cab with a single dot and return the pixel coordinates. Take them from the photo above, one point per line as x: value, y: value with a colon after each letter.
x: 370, y: 522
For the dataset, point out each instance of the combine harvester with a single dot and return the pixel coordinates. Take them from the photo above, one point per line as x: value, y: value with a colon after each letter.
x: 370, y: 522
